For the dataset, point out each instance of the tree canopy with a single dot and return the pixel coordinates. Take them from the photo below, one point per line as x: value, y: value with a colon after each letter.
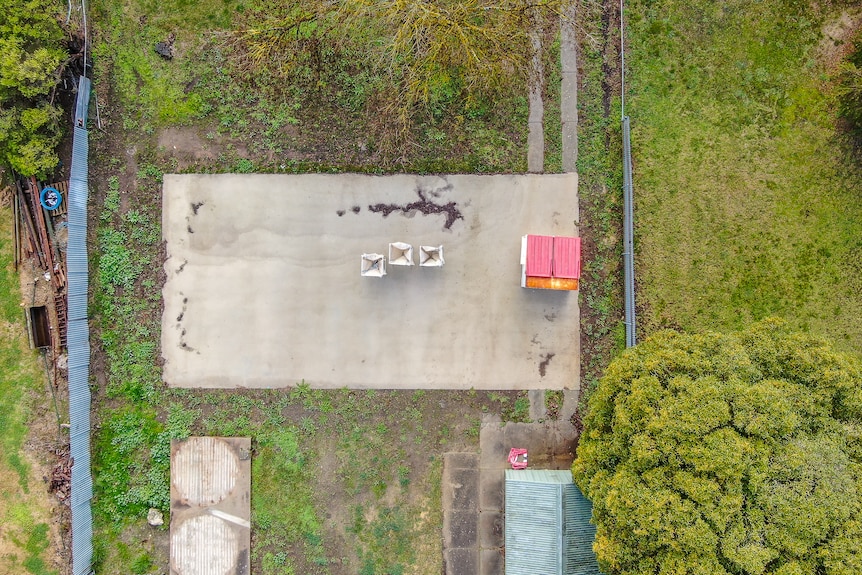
x: 726, y: 454
x: 31, y: 54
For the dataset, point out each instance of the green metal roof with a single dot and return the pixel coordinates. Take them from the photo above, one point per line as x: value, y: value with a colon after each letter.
x: 548, y: 529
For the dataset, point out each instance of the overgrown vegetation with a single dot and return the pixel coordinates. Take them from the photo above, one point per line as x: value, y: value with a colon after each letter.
x: 337, y: 109
x: 717, y: 454
x: 343, y: 481
x: 850, y: 89
x: 24, y: 511
x: 600, y: 189
x: 748, y: 204
x: 31, y: 57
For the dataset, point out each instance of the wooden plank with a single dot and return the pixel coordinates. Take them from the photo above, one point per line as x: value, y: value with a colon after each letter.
x: 43, y: 231
x: 30, y: 224
x: 16, y: 230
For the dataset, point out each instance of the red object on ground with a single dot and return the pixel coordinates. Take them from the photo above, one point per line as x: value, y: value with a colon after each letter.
x: 567, y: 257
x: 518, y: 458
x: 540, y: 255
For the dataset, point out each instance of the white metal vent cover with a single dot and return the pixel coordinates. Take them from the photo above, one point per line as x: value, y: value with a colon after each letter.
x: 431, y: 256
x: 210, y: 506
x: 206, y: 471
x: 373, y: 265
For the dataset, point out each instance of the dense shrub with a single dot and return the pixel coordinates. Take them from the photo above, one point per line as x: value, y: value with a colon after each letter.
x: 31, y: 55
x: 718, y: 454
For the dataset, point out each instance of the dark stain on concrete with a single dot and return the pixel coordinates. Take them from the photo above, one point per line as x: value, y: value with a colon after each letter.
x: 424, y: 205
x: 543, y: 366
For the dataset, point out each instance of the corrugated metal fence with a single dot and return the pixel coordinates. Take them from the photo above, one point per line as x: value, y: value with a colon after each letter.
x: 78, y: 343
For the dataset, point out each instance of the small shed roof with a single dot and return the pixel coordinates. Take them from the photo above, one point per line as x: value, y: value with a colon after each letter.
x: 548, y: 529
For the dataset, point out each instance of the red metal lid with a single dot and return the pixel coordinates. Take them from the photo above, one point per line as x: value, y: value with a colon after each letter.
x: 567, y: 258
x: 539, y: 256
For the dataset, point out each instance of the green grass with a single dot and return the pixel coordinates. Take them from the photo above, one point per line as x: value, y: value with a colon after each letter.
x: 747, y: 203
x: 23, y: 503
x: 283, y: 507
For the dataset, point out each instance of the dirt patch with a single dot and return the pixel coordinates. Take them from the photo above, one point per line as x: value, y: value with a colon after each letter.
x: 837, y: 41
x: 187, y: 146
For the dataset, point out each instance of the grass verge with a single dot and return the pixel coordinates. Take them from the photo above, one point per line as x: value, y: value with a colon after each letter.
x: 24, y: 507
x: 748, y: 203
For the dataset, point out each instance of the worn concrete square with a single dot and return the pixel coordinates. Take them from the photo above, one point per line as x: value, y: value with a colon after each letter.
x: 263, y: 286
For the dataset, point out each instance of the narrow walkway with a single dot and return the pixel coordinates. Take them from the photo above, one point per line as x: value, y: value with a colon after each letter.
x: 568, y: 93
x: 536, y: 135
x: 569, y: 87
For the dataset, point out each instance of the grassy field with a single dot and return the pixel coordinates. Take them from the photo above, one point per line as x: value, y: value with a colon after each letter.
x: 24, y: 508
x: 748, y: 202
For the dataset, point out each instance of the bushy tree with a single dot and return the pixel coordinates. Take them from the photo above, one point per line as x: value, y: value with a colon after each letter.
x: 31, y: 54
x: 726, y: 454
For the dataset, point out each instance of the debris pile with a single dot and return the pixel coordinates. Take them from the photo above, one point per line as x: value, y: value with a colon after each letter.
x: 40, y: 237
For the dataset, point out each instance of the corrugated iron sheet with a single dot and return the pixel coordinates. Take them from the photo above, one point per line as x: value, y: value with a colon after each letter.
x: 78, y: 343
x: 548, y: 529
x: 210, y: 510
x: 540, y: 253
x: 534, y: 526
x: 83, y: 102
x: 567, y: 257
x: 579, y: 533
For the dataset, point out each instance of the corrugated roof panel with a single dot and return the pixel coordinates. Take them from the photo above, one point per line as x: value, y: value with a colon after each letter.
x: 77, y: 284
x: 562, y: 476
x: 210, y: 512
x: 534, y: 529
x: 540, y: 253
x: 80, y: 152
x: 83, y: 101
x: 580, y: 533
x: 567, y: 257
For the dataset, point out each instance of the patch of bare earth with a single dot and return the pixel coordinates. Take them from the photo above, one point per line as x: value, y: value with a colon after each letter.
x: 837, y: 38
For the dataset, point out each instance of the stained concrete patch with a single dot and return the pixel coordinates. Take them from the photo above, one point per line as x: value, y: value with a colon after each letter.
x: 462, y: 529
x: 465, y: 489
x: 463, y: 561
x: 491, y: 529
x: 263, y: 286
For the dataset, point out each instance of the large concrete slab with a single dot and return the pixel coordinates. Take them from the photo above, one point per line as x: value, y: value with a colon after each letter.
x: 263, y: 286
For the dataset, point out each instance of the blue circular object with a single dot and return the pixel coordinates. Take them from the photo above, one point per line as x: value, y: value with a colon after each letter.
x: 50, y: 198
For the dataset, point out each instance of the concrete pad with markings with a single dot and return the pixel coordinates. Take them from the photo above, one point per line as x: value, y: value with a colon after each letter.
x: 263, y: 284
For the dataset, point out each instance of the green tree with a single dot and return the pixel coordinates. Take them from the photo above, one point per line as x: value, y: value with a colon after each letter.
x: 31, y: 56
x: 726, y: 454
